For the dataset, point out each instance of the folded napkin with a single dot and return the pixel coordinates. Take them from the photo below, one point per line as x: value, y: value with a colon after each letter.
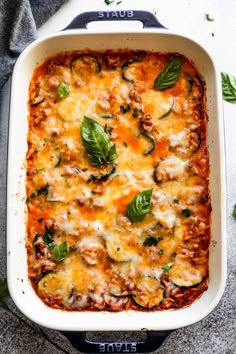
x: 19, y: 20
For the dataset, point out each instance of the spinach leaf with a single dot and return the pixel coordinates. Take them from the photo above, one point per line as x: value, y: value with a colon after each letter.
x: 60, y: 251
x: 125, y: 109
x: 169, y: 75
x: 140, y: 206
x: 152, y: 241
x: 41, y: 191
x: 48, y: 238
x: 96, y: 143
x: 228, y: 87
x: 186, y: 212
x: 63, y: 90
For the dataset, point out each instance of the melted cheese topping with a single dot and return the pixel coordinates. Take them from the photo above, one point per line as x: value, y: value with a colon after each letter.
x: 84, y: 253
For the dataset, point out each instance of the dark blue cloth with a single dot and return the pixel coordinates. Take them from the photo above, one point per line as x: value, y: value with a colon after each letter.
x: 19, y: 20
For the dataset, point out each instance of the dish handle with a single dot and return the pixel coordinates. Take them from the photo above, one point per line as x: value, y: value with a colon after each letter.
x: 152, y: 342
x: 148, y: 19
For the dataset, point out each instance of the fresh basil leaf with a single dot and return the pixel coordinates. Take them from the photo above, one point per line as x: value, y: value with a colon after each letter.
x: 140, y: 206
x: 60, y: 251
x: 169, y: 75
x: 167, y: 267
x: 63, y: 90
x: 95, y: 161
x: 228, y: 87
x: 96, y: 143
x: 3, y: 289
x: 112, y: 154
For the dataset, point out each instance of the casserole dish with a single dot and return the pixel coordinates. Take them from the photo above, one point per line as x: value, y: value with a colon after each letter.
x: 151, y: 40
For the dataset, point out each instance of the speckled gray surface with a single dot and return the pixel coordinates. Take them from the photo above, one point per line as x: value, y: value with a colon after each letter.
x: 214, y: 334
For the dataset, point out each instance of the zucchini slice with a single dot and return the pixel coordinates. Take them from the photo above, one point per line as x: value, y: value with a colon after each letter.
x: 128, y: 70
x: 117, y: 250
x: 69, y: 109
x: 195, y: 86
x: 184, y: 274
x: 149, y: 292
x: 85, y: 64
x: 110, y: 169
x: 37, y: 100
x: 116, y: 290
x: 152, y: 146
x: 55, y: 285
x: 168, y: 112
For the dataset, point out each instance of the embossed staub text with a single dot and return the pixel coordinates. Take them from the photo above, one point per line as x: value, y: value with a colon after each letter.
x: 115, y: 14
x: 117, y: 348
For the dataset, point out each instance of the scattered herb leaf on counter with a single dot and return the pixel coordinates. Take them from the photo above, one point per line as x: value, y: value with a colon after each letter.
x: 228, y: 87
x: 109, y: 2
x: 209, y: 18
x: 140, y: 206
x: 234, y: 212
x: 63, y: 90
x: 169, y: 75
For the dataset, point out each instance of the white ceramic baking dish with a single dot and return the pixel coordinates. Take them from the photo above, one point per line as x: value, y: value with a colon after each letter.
x: 148, y: 38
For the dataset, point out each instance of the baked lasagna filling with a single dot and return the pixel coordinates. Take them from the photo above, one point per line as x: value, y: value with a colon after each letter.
x: 118, y: 203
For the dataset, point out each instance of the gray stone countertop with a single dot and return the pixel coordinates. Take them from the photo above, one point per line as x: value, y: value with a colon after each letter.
x: 215, y: 334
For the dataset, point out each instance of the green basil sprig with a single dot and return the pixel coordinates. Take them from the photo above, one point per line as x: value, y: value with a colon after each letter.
x: 97, y: 143
x: 228, y: 87
x: 63, y: 90
x: 140, y: 206
x: 60, y: 251
x: 169, y: 75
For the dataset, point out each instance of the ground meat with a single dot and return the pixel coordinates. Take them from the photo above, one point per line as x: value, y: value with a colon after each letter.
x: 146, y: 123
